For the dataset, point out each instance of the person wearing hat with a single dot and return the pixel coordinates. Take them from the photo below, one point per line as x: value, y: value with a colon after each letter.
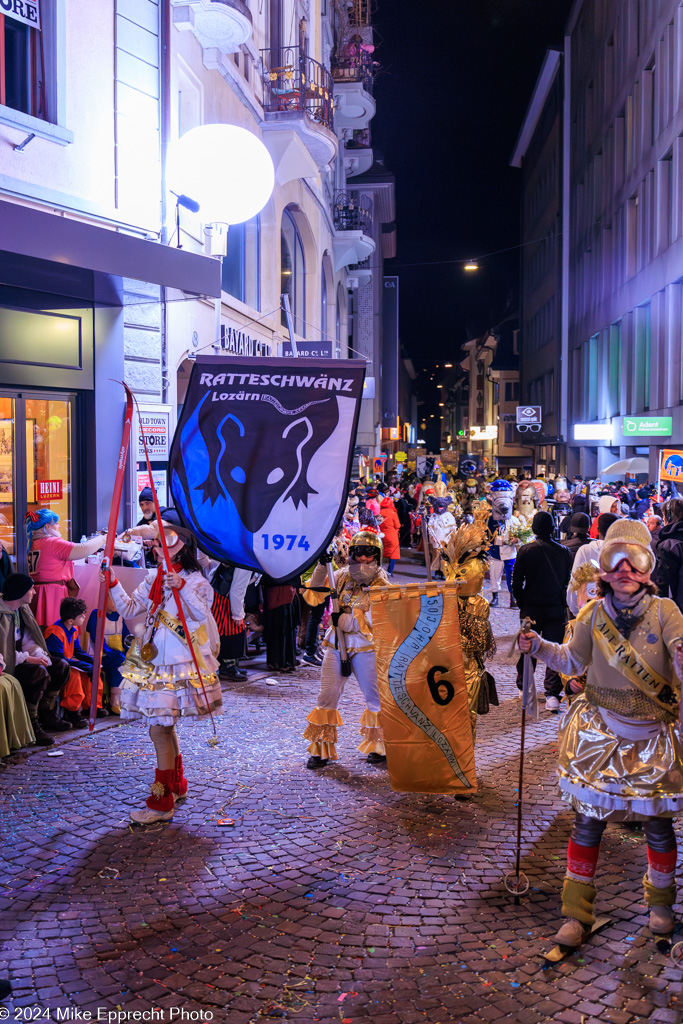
x: 579, y: 525
x: 504, y: 544
x: 50, y: 563
x: 440, y: 527
x: 620, y: 749
x: 355, y: 622
x: 146, y: 503
x: 540, y: 579
x: 160, y: 683
x: 24, y: 653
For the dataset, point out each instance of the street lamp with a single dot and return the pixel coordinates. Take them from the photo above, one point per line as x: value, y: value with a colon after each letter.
x: 229, y: 172
x: 471, y: 265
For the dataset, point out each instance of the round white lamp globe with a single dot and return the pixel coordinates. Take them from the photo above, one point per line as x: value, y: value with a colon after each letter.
x: 226, y: 169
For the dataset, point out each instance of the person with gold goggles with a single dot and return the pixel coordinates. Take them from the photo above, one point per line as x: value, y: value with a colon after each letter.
x: 620, y: 749
x: 348, y: 649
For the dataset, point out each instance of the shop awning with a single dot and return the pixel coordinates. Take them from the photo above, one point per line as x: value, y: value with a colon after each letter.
x: 46, y: 236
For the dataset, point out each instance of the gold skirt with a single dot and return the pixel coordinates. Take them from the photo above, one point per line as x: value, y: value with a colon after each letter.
x: 606, y: 775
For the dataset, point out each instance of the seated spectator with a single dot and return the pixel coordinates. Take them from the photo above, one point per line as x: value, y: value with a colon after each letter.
x: 15, y: 724
x: 63, y: 642
x: 25, y: 654
x: 113, y: 649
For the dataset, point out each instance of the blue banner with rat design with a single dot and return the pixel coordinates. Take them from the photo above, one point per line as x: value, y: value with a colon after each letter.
x: 261, y: 457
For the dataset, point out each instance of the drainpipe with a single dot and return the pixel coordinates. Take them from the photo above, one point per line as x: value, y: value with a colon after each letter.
x: 165, y: 135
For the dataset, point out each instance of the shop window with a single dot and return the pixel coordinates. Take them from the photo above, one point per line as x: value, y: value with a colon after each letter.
x: 26, y: 58
x: 242, y: 263
x: 35, y: 466
x: 293, y: 273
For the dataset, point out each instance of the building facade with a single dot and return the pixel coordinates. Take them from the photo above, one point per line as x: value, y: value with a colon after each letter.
x: 539, y: 152
x: 96, y: 283
x: 619, y: 351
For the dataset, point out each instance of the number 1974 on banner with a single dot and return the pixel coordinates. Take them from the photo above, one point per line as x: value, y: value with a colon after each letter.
x: 279, y: 540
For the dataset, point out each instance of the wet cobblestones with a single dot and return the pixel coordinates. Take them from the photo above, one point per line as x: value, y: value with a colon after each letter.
x: 331, y: 901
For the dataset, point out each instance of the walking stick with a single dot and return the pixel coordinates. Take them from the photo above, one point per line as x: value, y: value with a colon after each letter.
x: 517, y: 882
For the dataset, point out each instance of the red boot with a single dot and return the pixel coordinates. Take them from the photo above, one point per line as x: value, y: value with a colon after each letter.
x: 179, y: 784
x: 160, y: 802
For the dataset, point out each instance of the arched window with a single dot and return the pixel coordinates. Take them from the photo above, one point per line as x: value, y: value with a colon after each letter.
x: 293, y: 273
x: 242, y: 263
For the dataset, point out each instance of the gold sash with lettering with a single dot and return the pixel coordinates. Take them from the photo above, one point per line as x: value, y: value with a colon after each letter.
x: 620, y: 655
x: 199, y: 636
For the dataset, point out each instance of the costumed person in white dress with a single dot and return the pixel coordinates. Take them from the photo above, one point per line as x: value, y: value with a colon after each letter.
x: 620, y: 749
x: 160, y: 682
x: 440, y: 526
x: 503, y: 551
x: 355, y: 622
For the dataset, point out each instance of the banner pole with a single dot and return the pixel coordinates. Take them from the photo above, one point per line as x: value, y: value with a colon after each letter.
x: 659, y: 473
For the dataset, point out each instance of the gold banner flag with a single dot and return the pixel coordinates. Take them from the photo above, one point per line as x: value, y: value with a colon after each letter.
x: 423, y: 692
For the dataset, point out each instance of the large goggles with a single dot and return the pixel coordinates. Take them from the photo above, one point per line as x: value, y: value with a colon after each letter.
x: 640, y: 559
x: 364, y: 550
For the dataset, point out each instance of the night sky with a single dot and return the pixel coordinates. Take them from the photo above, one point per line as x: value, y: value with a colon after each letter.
x: 455, y: 80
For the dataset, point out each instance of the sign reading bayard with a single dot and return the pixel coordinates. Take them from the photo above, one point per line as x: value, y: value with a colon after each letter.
x: 261, y: 457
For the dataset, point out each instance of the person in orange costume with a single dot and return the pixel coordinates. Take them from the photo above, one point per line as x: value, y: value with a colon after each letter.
x: 390, y: 526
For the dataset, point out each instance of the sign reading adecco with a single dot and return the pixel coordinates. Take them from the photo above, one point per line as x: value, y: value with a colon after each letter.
x: 646, y: 426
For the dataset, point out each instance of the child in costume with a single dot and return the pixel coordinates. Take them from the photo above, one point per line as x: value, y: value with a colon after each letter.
x: 440, y: 526
x: 50, y: 563
x: 113, y: 650
x: 351, y: 582
x: 63, y: 642
x: 161, y: 685
x: 620, y: 750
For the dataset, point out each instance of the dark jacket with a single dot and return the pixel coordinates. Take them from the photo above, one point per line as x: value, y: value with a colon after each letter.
x: 540, y: 579
x: 667, y: 574
x: 576, y: 541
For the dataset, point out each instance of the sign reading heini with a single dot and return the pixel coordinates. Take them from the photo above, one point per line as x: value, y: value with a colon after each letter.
x: 261, y: 457
x: 25, y: 11
x: 647, y: 426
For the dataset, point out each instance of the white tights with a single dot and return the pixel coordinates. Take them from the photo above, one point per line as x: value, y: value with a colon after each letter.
x: 332, y: 681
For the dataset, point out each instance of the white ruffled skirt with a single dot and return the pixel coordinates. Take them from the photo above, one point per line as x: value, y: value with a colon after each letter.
x: 165, y: 694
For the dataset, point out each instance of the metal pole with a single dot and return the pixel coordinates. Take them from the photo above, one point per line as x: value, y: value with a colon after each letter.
x: 341, y: 642
x: 290, y: 325
x: 425, y: 545
x: 520, y: 785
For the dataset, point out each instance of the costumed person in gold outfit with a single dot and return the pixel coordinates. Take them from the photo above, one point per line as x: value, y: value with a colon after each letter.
x: 355, y: 623
x: 464, y: 558
x: 620, y: 750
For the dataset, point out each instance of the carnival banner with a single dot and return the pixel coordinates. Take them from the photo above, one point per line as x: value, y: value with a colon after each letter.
x: 422, y: 687
x: 262, y: 455
x: 672, y: 465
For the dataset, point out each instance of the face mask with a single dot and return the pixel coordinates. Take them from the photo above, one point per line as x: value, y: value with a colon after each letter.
x: 362, y: 573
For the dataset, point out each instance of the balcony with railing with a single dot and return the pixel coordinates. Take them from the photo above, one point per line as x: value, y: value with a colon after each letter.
x: 358, y: 155
x: 297, y: 95
x: 352, y: 216
x: 353, y: 86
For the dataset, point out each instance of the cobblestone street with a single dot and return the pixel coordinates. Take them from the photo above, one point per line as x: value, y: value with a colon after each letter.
x: 331, y: 900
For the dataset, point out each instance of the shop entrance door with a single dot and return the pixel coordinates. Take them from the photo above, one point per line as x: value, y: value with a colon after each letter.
x: 36, y: 465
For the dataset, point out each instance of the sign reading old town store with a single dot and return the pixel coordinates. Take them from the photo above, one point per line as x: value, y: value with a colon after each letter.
x: 25, y: 11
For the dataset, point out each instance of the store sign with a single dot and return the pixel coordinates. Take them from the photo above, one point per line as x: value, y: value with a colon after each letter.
x: 156, y: 425
x: 647, y: 426
x: 528, y: 414
x: 507, y: 417
x: 378, y: 464
x: 48, y: 490
x: 239, y: 343
x: 315, y: 349
x: 593, y: 432
x: 159, y: 477
x: 489, y: 433
x: 400, y: 456
x: 25, y: 11
x: 672, y: 465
